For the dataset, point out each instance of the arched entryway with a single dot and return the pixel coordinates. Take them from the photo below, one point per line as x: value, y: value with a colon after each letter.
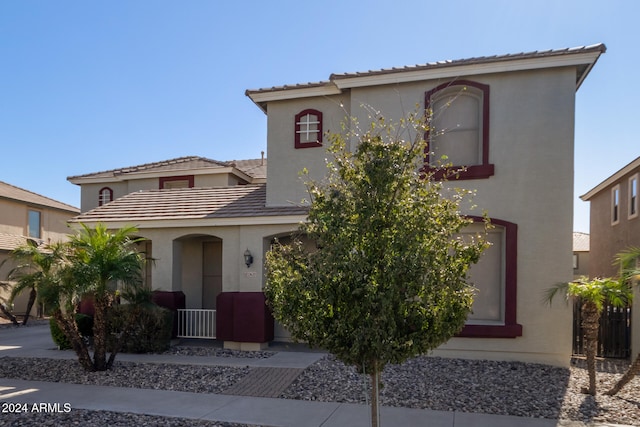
x: 197, y: 272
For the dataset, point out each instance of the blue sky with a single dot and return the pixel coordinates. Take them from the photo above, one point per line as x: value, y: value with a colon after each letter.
x: 90, y: 86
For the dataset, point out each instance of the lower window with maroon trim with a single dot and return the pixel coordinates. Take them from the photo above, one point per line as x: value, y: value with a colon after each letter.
x: 495, y: 277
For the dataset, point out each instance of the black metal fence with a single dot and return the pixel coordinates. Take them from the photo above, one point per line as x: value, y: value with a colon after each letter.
x: 614, y: 334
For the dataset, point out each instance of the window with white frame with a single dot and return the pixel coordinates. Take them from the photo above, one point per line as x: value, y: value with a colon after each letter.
x: 633, y: 196
x: 105, y: 195
x: 615, y: 204
x: 308, y: 129
x: 458, y: 134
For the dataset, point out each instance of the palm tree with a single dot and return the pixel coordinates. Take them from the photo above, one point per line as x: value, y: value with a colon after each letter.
x: 629, y: 273
x: 592, y: 295
x: 36, y: 266
x: 98, y: 260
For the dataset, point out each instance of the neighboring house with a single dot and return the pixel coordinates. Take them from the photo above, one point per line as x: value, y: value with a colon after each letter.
x: 509, y: 119
x: 615, y: 227
x: 27, y: 215
x: 580, y: 254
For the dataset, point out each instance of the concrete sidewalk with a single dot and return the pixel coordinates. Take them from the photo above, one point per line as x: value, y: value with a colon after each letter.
x: 242, y: 407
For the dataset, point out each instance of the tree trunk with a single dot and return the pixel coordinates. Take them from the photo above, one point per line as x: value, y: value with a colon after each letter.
x: 32, y: 300
x: 128, y: 327
x: 633, y: 370
x: 100, y: 333
x: 375, y: 395
x: 70, y: 329
x: 9, y: 315
x: 590, y: 325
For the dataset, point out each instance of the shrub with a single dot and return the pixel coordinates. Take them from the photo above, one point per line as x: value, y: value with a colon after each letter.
x: 59, y: 338
x: 150, y: 333
x: 85, y: 327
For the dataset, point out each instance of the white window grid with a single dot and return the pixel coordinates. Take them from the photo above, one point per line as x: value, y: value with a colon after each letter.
x: 305, y: 126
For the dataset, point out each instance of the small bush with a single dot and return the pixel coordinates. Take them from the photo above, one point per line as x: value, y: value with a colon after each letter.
x: 85, y: 327
x: 59, y: 338
x: 151, y: 332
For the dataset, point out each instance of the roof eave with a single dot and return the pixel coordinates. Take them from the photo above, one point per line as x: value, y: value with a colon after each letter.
x: 612, y: 179
x: 158, y: 174
x: 459, y: 70
x: 261, y: 97
x: 195, y: 222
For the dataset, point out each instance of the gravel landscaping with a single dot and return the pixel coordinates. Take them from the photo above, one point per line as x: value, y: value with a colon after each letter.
x: 505, y: 388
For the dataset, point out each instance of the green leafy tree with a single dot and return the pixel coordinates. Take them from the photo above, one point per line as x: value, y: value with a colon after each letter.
x: 592, y: 295
x: 630, y: 274
x: 95, y: 260
x: 388, y: 280
x: 36, y: 266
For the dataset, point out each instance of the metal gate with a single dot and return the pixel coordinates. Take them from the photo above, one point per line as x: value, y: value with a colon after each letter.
x: 196, y: 323
x: 614, y: 334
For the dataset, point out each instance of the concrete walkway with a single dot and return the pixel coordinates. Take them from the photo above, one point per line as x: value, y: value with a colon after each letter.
x: 238, y: 404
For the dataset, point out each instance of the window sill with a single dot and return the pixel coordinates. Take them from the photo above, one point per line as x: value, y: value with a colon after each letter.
x: 491, y: 331
x: 470, y: 172
x: 307, y: 144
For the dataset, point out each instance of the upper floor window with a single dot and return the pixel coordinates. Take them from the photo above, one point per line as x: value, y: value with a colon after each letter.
x: 458, y: 134
x: 35, y: 224
x: 633, y: 196
x: 105, y: 196
x: 615, y: 204
x: 308, y: 129
x: 169, y: 182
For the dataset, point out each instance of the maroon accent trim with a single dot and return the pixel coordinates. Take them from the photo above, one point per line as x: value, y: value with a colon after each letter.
x: 470, y: 172
x: 511, y: 328
x: 101, y: 200
x: 296, y: 127
x: 485, y: 170
x: 164, y: 179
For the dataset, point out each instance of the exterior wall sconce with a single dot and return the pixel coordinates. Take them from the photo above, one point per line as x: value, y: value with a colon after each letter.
x: 248, y: 258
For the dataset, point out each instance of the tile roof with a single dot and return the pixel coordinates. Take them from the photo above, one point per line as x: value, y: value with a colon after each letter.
x: 255, y: 168
x: 189, y: 203
x: 8, y: 191
x: 9, y: 242
x: 180, y: 163
x: 580, y: 242
x: 438, y: 65
x: 476, y: 60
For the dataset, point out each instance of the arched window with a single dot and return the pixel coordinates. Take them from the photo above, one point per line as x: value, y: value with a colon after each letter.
x: 458, y: 134
x: 308, y: 129
x: 105, y: 195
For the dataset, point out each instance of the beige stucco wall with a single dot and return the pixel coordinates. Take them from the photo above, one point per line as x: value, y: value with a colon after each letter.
x: 89, y: 193
x: 531, y: 146
x: 15, y: 220
x: 177, y: 254
x: 285, y: 185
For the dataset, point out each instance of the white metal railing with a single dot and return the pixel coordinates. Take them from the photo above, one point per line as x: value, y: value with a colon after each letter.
x: 196, y: 323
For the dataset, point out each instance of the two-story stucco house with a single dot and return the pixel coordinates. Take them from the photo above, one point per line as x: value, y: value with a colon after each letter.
x: 27, y: 215
x: 614, y: 226
x: 508, y: 119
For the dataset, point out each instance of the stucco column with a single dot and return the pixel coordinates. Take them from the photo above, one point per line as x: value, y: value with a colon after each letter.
x: 162, y: 271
